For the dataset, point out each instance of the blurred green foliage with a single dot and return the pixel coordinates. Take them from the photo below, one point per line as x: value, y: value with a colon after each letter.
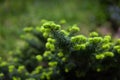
x: 52, y: 52
x: 16, y: 14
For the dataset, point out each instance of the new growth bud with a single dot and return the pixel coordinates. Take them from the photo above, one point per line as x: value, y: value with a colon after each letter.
x: 100, y: 56
x: 93, y: 34
x: 79, y: 38
x: 74, y: 28
x: 52, y: 64
x: 39, y: 57
x: 109, y: 54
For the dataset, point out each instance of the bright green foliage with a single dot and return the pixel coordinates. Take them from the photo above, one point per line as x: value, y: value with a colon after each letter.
x: 11, y: 68
x: 39, y: 57
x: 78, y: 39
x: 60, y: 54
x: 74, y: 29
x: 51, y: 53
x: 118, y: 41
x: 46, y: 53
x: 100, y: 56
x: 93, y: 34
x: 52, y: 64
x: 1, y: 75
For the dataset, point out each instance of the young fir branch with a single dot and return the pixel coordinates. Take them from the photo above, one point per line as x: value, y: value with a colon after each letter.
x: 60, y: 54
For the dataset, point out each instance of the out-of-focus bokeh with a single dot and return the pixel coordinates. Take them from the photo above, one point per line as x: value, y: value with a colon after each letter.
x: 102, y: 16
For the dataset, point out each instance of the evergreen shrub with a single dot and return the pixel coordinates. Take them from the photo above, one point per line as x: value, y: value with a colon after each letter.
x: 52, y: 53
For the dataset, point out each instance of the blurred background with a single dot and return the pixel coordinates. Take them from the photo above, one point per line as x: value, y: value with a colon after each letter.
x: 102, y: 16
